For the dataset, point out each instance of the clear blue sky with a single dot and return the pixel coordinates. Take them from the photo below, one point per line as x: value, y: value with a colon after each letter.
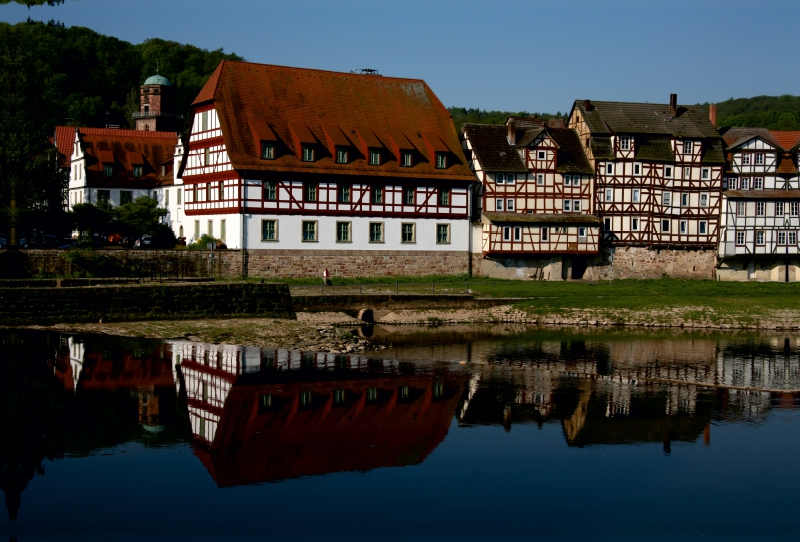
x: 503, y: 54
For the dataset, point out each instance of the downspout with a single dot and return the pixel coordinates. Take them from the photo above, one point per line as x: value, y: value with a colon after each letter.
x: 242, y: 226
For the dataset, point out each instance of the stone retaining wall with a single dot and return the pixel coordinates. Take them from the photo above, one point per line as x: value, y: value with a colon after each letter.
x: 644, y: 263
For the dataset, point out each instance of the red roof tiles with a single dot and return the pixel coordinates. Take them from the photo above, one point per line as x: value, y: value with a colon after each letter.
x: 283, y: 97
x: 786, y: 138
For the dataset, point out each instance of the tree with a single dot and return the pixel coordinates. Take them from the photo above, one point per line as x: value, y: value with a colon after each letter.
x: 87, y: 217
x: 31, y: 3
x: 141, y: 216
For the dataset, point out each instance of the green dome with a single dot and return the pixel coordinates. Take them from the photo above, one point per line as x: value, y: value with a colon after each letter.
x: 157, y: 80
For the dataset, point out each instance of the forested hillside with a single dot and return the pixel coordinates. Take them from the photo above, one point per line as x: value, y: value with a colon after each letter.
x: 479, y: 116
x: 773, y: 112
x: 90, y: 79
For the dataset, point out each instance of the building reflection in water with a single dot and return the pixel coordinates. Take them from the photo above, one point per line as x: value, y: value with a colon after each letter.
x: 262, y: 415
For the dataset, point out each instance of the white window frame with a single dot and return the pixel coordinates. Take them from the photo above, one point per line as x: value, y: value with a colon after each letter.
x: 688, y: 147
x: 275, y: 223
x: 740, y: 238
x: 506, y: 233
x: 609, y: 168
x: 576, y: 206
x: 759, y: 158
x: 792, y: 238
x: 745, y: 159
x: 498, y: 205
x: 761, y: 238
x: 702, y: 227
x: 741, y: 208
x: 544, y: 234
x: 582, y: 232
x: 625, y: 143
x: 758, y: 183
x: 703, y: 200
x: 567, y: 206
x: 517, y: 233
x: 567, y: 180
x: 510, y: 205
x: 540, y: 179
x: 782, y: 238
x: 541, y: 155
x: 793, y: 208
x: 666, y: 199
x: 685, y: 200
x: 576, y: 180
x: 499, y: 178
x: 761, y: 208
x: 511, y: 178
x: 684, y: 227
x: 780, y: 208
x: 744, y: 183
x: 609, y: 195
x: 666, y: 222
x: 637, y: 169
x: 668, y: 172
x: 634, y: 224
x: 635, y: 195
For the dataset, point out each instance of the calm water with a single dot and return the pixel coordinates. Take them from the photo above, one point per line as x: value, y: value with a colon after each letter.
x: 490, y: 433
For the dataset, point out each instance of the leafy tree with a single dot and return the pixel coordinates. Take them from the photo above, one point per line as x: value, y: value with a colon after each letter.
x: 772, y: 112
x: 202, y: 243
x: 87, y: 217
x: 462, y: 114
x: 141, y: 216
x: 31, y: 3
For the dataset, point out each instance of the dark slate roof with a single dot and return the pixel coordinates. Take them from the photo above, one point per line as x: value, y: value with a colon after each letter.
x: 762, y: 194
x: 571, y: 157
x: 644, y: 118
x: 737, y: 135
x: 529, y: 136
x: 490, y: 147
x: 654, y: 147
x: 602, y: 148
x: 541, y: 218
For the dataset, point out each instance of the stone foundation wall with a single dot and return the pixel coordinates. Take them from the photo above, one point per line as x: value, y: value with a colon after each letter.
x: 644, y: 263
x: 758, y: 269
x: 522, y: 268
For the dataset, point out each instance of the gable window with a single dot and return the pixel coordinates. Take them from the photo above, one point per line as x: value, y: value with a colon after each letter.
x: 407, y: 233
x: 509, y: 205
x: 309, y: 191
x: 500, y: 178
x: 668, y: 172
x: 567, y: 205
x: 758, y: 183
x: 625, y: 143
x: 163, y: 171
x: 610, y: 169
x: 269, y: 230
x: 687, y: 147
x: 635, y: 224
x: 344, y: 193
x: 308, y: 153
x: 341, y: 156
x: 744, y: 184
x: 609, y: 194
x: 377, y: 195
x: 760, y: 237
x: 540, y: 179
x: 545, y: 236
x: 703, y: 200
x: 779, y: 208
x: 576, y: 206
x: 507, y: 233
x: 745, y: 159
x: 125, y: 196
x: 137, y: 171
x: 405, y: 159
x: 270, y: 191
x: 740, y: 208
x: 309, y: 230
x: 705, y: 173
x: 108, y: 170
x: 442, y: 233
x: 760, y: 208
x: 441, y: 160
x: 739, y: 238
x: 576, y: 180
x: 499, y: 204
x: 760, y: 159
x: 444, y: 197
x: 541, y: 155
x: 343, y: 232
x: 267, y: 151
x: 376, y: 232
x: 665, y: 226
x: 374, y: 158
x: 635, y: 195
x: 408, y: 196
x: 702, y: 227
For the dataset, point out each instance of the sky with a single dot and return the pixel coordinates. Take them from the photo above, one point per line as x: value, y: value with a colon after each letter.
x: 510, y: 55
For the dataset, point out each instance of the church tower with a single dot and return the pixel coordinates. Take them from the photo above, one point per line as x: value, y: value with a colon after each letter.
x: 157, y: 106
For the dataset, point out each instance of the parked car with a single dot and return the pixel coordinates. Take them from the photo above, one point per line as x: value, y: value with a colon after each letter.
x: 38, y: 240
x: 143, y: 242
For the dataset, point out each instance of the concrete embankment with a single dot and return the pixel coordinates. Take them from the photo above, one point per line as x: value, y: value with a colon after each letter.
x: 152, y: 301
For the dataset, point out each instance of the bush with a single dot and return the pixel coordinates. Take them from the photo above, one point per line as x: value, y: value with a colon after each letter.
x: 202, y: 243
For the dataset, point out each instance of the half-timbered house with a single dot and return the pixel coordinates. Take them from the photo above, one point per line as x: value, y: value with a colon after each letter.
x: 658, y: 180
x: 363, y: 172
x: 760, y: 218
x: 537, y: 198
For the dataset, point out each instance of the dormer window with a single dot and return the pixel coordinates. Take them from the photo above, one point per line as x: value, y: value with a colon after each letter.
x: 308, y: 153
x: 137, y: 171
x: 108, y: 170
x: 745, y: 159
x: 341, y: 156
x: 441, y: 160
x: 406, y: 159
x: 624, y: 143
x: 267, y: 151
x: 163, y: 171
x: 760, y: 159
x: 374, y: 158
x: 541, y: 155
x: 687, y: 147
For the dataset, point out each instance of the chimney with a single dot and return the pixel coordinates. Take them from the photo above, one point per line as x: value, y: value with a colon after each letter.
x: 673, y: 105
x: 512, y: 131
x: 712, y: 114
x: 587, y: 105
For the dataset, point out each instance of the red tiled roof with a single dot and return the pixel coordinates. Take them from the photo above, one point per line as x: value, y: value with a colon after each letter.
x: 786, y: 138
x: 124, y: 149
x: 65, y: 137
x: 283, y: 97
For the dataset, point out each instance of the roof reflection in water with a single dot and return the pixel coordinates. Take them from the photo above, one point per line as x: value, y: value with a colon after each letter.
x: 261, y: 415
